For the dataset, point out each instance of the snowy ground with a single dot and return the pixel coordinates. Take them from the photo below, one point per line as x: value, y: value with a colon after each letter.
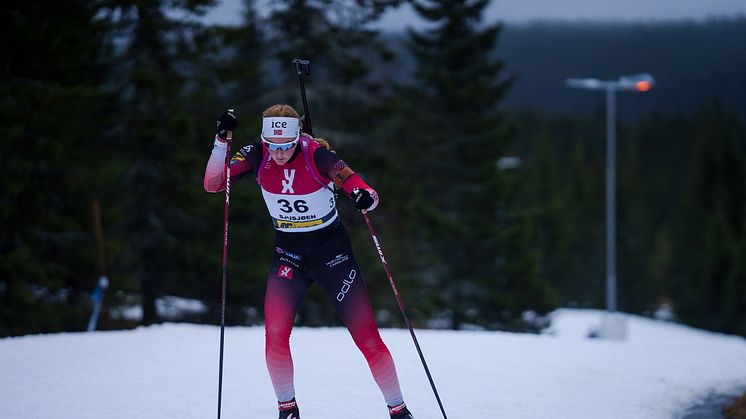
x: 170, y: 371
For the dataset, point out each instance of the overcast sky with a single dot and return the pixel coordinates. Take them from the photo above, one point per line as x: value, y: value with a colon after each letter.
x: 519, y: 11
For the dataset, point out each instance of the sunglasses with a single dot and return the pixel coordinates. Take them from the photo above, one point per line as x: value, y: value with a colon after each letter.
x: 280, y: 147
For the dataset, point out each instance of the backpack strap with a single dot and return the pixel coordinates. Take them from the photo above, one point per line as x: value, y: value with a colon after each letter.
x: 305, y: 144
x: 265, y: 157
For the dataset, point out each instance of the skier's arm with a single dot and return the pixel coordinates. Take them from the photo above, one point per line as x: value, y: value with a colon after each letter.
x: 241, y: 164
x: 336, y: 170
x: 215, y: 171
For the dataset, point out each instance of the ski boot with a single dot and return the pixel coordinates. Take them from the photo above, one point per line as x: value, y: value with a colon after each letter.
x: 289, y: 410
x: 400, y: 411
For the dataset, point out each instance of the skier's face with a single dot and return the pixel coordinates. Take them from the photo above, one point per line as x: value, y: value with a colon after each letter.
x: 278, y: 155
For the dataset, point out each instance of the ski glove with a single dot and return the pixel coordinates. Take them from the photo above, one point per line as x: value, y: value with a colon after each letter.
x: 228, y: 121
x: 364, y: 199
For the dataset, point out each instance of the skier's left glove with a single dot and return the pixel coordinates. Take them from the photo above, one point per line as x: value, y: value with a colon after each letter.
x: 365, y: 199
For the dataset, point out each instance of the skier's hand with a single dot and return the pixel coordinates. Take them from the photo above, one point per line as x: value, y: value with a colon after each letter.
x: 228, y: 121
x: 365, y: 199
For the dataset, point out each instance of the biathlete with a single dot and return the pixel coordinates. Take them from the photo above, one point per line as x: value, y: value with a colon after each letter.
x: 297, y: 175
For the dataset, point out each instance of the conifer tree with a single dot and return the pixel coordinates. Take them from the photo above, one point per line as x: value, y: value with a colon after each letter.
x: 234, y: 60
x: 335, y: 36
x: 709, y: 278
x: 484, y: 245
x: 50, y: 64
x: 149, y: 133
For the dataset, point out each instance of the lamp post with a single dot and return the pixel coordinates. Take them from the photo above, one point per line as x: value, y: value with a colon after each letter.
x: 634, y: 83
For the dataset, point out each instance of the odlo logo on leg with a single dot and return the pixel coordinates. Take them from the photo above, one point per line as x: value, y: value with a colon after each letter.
x: 346, y: 284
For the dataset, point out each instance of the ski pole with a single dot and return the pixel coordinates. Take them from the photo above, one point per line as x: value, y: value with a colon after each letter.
x: 304, y: 66
x: 229, y: 138
x: 402, y: 308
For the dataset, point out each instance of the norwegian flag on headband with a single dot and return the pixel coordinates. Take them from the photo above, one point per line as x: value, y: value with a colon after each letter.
x: 278, y: 132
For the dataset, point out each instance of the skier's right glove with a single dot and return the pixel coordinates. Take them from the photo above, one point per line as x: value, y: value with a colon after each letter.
x: 365, y: 199
x: 228, y: 121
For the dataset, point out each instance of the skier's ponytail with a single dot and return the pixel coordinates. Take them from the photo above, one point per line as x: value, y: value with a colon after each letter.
x: 324, y: 144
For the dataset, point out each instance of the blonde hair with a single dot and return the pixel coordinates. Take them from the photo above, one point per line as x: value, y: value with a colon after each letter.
x: 322, y: 142
x: 282, y: 110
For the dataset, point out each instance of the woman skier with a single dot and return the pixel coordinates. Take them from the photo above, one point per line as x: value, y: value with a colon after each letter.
x: 297, y: 175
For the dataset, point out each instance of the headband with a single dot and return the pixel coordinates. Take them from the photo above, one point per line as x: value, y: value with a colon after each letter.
x: 280, y: 127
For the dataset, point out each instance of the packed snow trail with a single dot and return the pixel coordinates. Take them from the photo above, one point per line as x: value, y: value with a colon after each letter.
x: 170, y: 371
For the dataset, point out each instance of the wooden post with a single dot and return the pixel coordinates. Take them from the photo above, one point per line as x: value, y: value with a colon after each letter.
x: 103, y: 281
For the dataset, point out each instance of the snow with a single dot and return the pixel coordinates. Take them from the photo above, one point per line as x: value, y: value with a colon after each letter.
x: 171, y: 371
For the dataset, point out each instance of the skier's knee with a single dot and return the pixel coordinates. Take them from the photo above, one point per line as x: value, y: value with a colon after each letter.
x: 277, y: 332
x: 372, y: 345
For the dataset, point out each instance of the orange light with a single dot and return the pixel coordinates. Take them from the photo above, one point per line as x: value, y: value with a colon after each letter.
x: 643, y: 86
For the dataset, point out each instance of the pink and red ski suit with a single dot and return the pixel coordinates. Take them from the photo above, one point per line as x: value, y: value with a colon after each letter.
x: 311, y: 245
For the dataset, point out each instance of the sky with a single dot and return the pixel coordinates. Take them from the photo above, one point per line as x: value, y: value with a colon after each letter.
x: 171, y: 371
x: 523, y: 11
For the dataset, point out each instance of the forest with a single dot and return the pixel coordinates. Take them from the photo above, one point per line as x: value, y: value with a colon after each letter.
x: 113, y: 103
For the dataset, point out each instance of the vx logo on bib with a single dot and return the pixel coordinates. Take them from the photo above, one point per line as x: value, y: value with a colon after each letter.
x: 287, y: 184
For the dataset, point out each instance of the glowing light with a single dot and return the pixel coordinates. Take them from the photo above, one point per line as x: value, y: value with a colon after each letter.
x: 643, y: 86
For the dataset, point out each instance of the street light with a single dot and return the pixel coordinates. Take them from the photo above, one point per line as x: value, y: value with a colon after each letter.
x: 633, y: 83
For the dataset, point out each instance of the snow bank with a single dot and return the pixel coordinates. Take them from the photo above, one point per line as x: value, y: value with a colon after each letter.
x: 171, y: 370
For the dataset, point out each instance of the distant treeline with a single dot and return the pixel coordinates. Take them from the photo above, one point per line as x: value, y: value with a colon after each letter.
x: 693, y: 63
x: 116, y: 102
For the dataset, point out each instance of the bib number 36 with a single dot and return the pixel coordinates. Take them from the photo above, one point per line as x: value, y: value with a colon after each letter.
x: 299, y: 206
